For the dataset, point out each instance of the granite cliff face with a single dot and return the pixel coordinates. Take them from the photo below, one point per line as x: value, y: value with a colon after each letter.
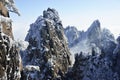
x: 10, y: 60
x: 47, y: 48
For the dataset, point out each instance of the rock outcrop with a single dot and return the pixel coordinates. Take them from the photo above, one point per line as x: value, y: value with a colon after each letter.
x: 6, y: 24
x: 94, y: 37
x: 10, y: 60
x: 47, y: 48
x: 73, y: 35
x: 94, y: 32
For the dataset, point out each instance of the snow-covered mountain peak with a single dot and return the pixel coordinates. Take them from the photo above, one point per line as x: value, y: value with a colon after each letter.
x: 95, y: 26
x: 47, y: 47
x: 107, y: 35
x: 94, y: 31
x: 94, y: 37
x: 96, y: 23
x: 51, y: 14
x: 72, y: 34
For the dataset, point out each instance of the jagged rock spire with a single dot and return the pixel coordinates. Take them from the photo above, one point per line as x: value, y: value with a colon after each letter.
x: 47, y: 46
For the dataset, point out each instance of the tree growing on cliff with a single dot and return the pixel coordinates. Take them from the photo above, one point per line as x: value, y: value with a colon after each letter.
x: 11, y: 6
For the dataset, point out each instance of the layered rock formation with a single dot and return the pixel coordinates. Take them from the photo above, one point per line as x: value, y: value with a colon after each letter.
x: 47, y: 48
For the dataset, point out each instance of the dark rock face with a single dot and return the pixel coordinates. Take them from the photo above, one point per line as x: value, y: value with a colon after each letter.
x: 10, y: 60
x: 47, y: 47
x: 10, y: 63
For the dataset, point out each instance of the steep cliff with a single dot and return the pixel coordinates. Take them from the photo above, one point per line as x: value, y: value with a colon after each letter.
x: 47, y: 47
x: 10, y: 60
x: 5, y: 21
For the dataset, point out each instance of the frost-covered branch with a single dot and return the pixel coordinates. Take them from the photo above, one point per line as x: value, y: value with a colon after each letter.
x: 11, y: 6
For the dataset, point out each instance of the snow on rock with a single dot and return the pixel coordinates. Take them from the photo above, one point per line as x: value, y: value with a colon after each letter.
x: 10, y: 59
x: 47, y: 47
x: 94, y: 30
x: 31, y: 68
x: 97, y: 55
x: 72, y: 35
x: 5, y: 21
x: 96, y: 58
x: 92, y: 67
x: 22, y: 44
x: 94, y: 37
